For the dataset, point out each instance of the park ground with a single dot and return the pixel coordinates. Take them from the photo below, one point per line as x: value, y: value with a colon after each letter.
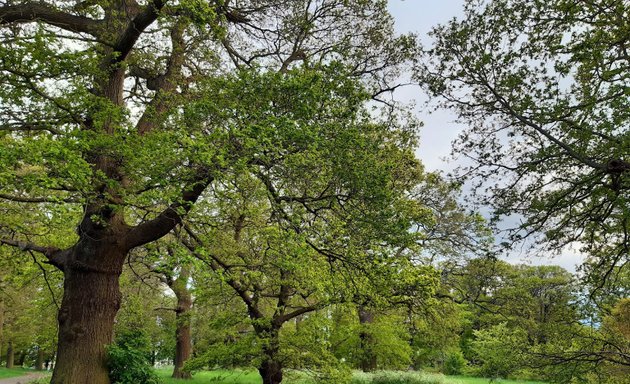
x: 252, y: 377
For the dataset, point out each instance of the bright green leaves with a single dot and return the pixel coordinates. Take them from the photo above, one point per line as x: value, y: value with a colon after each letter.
x: 199, y: 12
x: 499, y: 350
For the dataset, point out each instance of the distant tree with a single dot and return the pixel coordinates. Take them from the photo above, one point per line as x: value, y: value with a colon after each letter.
x: 543, y: 89
x: 596, y: 353
x: 29, y: 294
x: 147, y: 308
x: 161, y: 262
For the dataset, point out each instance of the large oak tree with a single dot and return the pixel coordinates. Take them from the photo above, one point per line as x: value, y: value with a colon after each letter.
x: 94, y: 136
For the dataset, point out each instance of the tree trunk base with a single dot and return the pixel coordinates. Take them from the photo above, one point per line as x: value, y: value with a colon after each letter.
x: 179, y: 374
x: 271, y: 372
x: 90, y: 302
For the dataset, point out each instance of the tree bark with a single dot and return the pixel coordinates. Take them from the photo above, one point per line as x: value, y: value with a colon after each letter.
x: 86, y: 317
x: 368, y: 357
x: 271, y: 371
x: 183, y: 346
x: 10, y: 355
x: 270, y: 368
x: 39, y: 363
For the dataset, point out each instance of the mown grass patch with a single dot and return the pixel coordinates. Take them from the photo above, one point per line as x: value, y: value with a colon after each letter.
x: 218, y: 376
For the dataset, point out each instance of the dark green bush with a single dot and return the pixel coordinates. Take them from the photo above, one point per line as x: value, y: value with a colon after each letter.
x: 129, y: 360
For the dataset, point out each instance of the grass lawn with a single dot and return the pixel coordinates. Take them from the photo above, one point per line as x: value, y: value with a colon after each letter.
x: 13, y: 372
x: 218, y: 376
x: 252, y: 377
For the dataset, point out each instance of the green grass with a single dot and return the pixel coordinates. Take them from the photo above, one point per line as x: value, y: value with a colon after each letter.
x: 252, y: 377
x: 13, y: 372
x: 209, y: 377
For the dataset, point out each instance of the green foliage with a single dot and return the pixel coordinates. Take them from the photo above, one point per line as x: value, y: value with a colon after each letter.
x: 435, y: 332
x: 145, y: 307
x: 542, y: 87
x: 390, y: 344
x: 129, y: 359
x: 385, y: 339
x: 455, y: 363
x: 151, y: 109
x: 499, y: 350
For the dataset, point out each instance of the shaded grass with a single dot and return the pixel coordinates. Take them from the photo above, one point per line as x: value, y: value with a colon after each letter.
x: 13, y: 372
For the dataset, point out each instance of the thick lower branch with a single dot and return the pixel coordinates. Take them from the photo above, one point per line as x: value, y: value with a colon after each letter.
x: 31, y: 11
x: 168, y: 219
x: 54, y: 255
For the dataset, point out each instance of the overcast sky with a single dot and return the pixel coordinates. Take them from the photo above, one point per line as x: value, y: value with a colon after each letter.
x: 420, y: 16
x: 439, y: 129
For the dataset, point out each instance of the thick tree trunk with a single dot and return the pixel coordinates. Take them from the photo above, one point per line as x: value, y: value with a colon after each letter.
x: 271, y: 368
x: 86, y: 317
x: 10, y: 355
x: 183, y: 350
x: 271, y: 372
x: 183, y: 346
x: 39, y: 363
x: 368, y: 358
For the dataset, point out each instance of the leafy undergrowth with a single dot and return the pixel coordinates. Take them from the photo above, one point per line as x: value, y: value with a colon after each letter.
x: 389, y: 377
x: 479, y: 380
x: 385, y: 377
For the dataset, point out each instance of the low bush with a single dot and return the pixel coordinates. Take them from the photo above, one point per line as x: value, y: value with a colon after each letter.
x: 454, y: 363
x: 128, y: 360
x: 396, y: 377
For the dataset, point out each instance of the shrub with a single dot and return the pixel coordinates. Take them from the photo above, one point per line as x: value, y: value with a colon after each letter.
x: 397, y: 377
x: 454, y: 363
x: 499, y: 350
x: 129, y: 360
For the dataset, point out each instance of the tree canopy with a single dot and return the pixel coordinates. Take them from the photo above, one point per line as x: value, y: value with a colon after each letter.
x: 543, y: 88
